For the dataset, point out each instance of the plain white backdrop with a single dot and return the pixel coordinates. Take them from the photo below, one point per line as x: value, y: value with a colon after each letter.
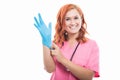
x: 20, y: 42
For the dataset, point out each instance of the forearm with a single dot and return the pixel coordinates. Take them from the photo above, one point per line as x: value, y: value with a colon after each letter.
x: 48, y: 60
x: 78, y: 71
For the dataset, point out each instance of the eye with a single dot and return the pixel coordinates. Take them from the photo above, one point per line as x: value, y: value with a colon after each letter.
x: 67, y: 19
x: 76, y: 17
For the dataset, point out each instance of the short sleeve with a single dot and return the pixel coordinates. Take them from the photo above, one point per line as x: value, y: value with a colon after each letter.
x: 93, y: 62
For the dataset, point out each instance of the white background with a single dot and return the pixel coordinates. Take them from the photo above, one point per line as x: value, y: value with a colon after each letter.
x: 20, y: 42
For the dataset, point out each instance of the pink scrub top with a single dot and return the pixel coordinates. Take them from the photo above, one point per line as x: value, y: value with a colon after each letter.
x: 86, y: 55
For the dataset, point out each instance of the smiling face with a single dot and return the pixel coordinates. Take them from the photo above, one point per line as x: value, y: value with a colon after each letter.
x: 73, y: 21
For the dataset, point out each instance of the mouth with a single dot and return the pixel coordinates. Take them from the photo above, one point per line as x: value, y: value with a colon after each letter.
x: 72, y: 27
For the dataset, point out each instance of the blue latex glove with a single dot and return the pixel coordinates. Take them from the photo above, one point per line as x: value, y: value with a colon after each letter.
x: 44, y: 31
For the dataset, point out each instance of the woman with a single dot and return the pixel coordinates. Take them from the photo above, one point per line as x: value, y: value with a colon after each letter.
x: 71, y: 55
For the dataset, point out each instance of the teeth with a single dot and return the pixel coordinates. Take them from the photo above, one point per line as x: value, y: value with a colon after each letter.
x: 73, y: 27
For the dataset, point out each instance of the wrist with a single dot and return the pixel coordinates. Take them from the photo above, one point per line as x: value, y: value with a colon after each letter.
x: 63, y: 61
x: 47, y: 43
x: 66, y: 64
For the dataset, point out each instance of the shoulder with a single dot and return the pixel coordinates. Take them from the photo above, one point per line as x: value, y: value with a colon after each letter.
x: 90, y: 42
x: 93, y: 44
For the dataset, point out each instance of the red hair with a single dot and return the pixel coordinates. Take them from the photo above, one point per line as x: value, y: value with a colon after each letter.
x: 60, y: 36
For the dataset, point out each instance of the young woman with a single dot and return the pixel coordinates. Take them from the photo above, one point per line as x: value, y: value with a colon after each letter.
x: 71, y: 55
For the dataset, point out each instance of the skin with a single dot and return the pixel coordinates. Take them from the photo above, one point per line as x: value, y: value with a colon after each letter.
x: 73, y: 24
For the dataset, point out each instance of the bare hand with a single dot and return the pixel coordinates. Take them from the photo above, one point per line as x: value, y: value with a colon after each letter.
x: 56, y: 52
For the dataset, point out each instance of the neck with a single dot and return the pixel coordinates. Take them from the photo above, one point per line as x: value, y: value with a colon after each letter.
x: 73, y: 36
x: 72, y: 39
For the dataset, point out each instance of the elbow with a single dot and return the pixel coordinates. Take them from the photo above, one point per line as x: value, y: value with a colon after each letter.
x: 88, y: 76
x: 50, y: 70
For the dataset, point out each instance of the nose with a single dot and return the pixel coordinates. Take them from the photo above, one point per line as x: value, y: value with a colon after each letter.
x: 72, y: 22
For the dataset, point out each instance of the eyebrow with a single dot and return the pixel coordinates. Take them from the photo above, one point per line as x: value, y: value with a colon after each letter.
x: 73, y: 16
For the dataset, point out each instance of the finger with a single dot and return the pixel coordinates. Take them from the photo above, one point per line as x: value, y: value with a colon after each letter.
x: 54, y: 46
x: 51, y: 53
x: 36, y: 21
x: 50, y: 26
x: 39, y: 30
x: 40, y: 18
x: 35, y: 25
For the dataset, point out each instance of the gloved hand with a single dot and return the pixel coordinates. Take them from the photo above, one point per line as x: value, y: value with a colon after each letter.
x: 44, y: 31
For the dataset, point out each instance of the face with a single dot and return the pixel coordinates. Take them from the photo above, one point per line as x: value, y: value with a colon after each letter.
x: 73, y: 21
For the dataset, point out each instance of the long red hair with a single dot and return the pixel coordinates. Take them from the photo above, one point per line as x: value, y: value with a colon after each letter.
x: 60, y: 36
